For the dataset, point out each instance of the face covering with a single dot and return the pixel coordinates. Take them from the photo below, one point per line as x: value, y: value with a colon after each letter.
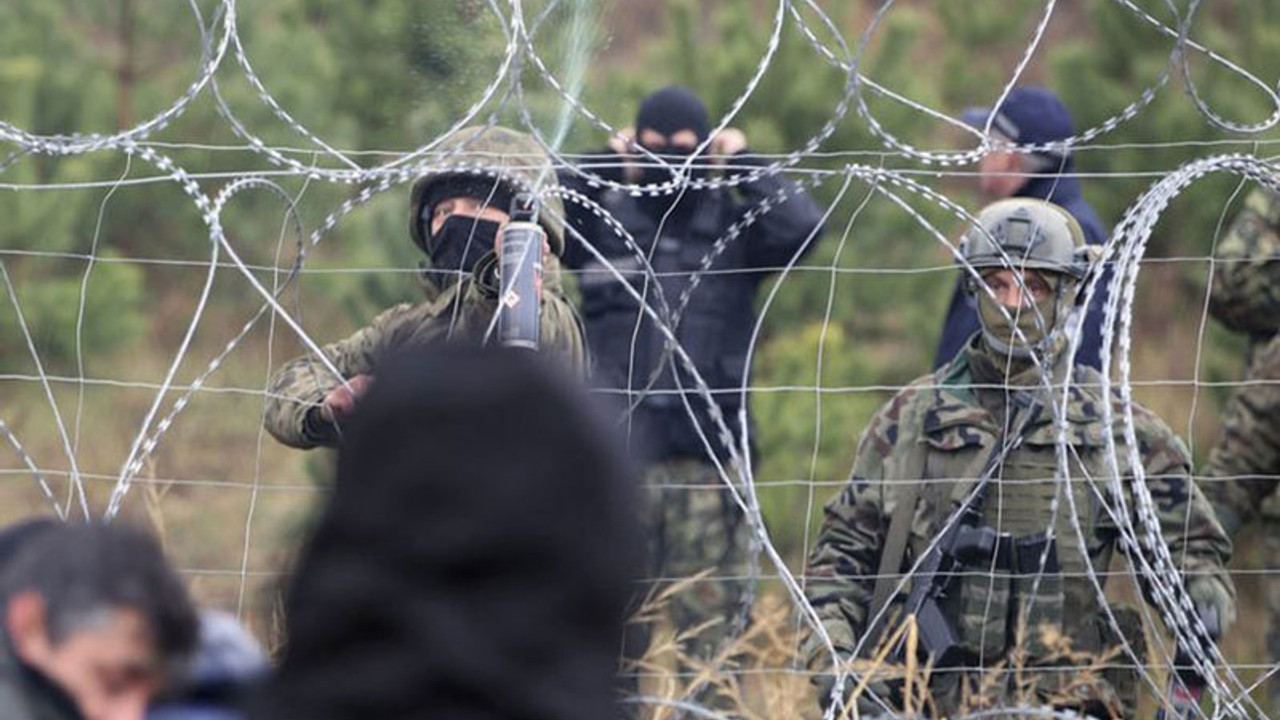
x: 460, y: 243
x: 1035, y: 324
x: 661, y: 205
x: 653, y: 174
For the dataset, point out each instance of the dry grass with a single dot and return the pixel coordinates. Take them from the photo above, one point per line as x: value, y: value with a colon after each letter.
x: 762, y: 675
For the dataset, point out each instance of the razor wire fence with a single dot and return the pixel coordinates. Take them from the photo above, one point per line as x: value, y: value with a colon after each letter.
x: 136, y: 368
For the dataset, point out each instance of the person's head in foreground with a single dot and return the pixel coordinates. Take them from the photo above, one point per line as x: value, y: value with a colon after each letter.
x: 1030, y: 258
x: 96, y: 624
x: 475, y: 558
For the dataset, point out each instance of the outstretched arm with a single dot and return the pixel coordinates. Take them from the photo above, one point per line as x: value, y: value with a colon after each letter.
x: 296, y: 393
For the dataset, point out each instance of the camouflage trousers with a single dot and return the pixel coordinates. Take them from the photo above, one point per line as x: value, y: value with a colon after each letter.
x: 1271, y: 595
x: 700, y: 548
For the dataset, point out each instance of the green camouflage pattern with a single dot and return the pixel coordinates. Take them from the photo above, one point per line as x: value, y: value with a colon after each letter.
x: 1271, y: 594
x: 461, y: 312
x: 505, y: 154
x: 1243, y: 469
x: 1245, y: 292
x: 1244, y: 466
x: 948, y: 424
x: 693, y: 526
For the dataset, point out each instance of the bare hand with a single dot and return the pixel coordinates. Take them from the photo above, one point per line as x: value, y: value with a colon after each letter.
x: 342, y: 400
x: 622, y: 141
x: 623, y: 144
x: 728, y: 142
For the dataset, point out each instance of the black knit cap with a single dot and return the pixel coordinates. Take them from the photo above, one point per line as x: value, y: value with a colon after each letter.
x: 673, y: 109
x: 475, y: 559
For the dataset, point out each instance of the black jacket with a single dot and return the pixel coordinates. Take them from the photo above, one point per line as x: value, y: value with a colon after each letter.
x: 630, y: 361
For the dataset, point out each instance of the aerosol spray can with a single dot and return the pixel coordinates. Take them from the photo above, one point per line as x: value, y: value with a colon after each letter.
x: 520, y: 276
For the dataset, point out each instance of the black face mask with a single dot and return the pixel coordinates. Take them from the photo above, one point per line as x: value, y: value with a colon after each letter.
x: 652, y: 174
x: 459, y: 244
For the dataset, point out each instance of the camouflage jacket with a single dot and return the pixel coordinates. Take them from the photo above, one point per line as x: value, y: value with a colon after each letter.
x: 944, y: 427
x: 1245, y: 293
x: 1244, y: 466
x: 461, y: 312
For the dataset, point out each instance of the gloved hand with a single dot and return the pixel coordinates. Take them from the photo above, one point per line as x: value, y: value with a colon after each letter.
x: 1209, y: 592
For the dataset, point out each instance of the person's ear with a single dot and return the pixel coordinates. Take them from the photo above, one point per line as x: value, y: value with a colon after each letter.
x: 28, y: 626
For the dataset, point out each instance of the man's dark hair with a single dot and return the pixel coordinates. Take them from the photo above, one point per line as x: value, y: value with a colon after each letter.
x: 82, y: 570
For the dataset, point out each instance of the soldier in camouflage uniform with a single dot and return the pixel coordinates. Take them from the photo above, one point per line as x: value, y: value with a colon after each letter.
x: 457, y: 213
x: 1244, y: 467
x: 947, y: 427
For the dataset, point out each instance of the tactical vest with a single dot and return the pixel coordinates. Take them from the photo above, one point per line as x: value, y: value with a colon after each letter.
x: 1002, y: 605
x: 630, y: 354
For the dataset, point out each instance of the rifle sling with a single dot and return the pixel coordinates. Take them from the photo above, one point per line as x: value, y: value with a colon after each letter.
x: 895, y: 544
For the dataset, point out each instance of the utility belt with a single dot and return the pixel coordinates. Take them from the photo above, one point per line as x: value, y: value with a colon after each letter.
x: 983, y: 548
x: 969, y: 599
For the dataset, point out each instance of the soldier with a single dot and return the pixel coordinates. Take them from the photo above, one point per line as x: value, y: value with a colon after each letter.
x: 693, y: 524
x: 457, y: 215
x: 1244, y: 467
x: 1019, y: 561
x: 1029, y: 116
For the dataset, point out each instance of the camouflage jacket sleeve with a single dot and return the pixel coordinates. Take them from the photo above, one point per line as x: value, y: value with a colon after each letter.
x: 298, y: 388
x: 1245, y: 293
x: 1188, y: 525
x: 1244, y: 465
x: 842, y: 567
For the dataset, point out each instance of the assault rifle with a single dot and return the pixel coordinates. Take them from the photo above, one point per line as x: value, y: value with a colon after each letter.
x: 966, y: 543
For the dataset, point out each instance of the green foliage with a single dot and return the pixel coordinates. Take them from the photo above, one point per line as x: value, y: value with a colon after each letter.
x: 113, y: 314
x: 385, y: 75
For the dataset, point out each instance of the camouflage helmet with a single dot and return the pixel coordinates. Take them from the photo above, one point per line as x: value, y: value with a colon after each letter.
x: 1027, y: 234
x: 512, y: 160
x: 1022, y: 234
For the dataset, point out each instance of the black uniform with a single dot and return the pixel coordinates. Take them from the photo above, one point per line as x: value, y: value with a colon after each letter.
x: 716, y: 326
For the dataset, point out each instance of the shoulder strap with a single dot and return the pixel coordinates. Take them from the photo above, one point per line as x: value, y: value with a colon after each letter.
x: 910, y: 467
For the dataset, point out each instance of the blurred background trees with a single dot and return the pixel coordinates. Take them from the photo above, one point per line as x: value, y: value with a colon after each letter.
x: 381, y: 77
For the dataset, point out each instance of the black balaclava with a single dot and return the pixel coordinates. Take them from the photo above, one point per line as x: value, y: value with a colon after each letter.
x: 475, y: 558
x: 669, y: 111
x: 462, y: 240
x: 458, y: 245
